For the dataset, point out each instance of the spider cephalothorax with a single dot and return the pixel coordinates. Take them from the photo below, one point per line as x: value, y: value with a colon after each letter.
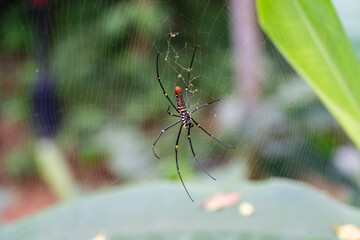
x: 187, y: 122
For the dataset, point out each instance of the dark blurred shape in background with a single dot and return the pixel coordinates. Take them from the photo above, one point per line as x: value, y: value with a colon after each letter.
x: 47, y: 107
x: 46, y: 102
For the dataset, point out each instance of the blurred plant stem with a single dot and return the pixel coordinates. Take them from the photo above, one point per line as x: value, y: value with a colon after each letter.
x: 248, y: 65
x: 53, y: 168
x: 248, y: 51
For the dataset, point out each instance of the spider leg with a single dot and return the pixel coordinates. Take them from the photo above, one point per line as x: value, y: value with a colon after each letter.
x: 162, y: 131
x: 173, y: 115
x: 210, y: 135
x: 177, y: 163
x: 188, y: 78
x: 192, y: 149
x: 204, y: 105
x: 162, y: 87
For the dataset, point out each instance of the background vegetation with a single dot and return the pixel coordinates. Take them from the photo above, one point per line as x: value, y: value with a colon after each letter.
x: 81, y: 107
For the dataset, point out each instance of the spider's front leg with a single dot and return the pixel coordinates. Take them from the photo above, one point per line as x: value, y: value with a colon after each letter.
x: 210, y: 135
x: 162, y: 87
x: 188, y: 78
x: 204, y: 105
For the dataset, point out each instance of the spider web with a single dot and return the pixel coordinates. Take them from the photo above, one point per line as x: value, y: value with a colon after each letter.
x: 102, y: 61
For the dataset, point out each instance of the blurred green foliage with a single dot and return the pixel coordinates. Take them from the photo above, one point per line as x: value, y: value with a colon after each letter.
x: 15, y: 28
x: 20, y: 163
x: 318, y: 40
x: 319, y: 50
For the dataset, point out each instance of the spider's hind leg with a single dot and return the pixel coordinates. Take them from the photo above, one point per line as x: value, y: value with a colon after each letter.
x: 173, y: 115
x: 177, y: 163
x: 162, y: 131
x: 195, y: 157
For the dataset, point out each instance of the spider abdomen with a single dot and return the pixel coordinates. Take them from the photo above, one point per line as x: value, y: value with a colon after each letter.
x: 180, y: 99
x: 184, y: 113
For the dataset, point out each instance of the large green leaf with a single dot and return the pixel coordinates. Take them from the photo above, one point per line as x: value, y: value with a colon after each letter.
x: 283, y: 210
x: 310, y: 36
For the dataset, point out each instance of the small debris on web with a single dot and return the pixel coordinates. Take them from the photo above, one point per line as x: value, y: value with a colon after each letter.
x: 221, y: 201
x: 179, y: 76
x: 99, y: 237
x: 246, y: 209
x: 173, y: 34
x: 192, y: 91
x: 347, y: 232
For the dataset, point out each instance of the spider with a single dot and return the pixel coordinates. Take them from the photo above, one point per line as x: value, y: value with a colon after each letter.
x: 186, y: 120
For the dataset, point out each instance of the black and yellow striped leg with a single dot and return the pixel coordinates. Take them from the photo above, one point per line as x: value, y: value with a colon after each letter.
x: 204, y: 105
x: 188, y: 78
x: 177, y: 162
x: 210, y: 135
x: 173, y: 115
x: 195, y: 157
x: 162, y: 131
x: 162, y: 87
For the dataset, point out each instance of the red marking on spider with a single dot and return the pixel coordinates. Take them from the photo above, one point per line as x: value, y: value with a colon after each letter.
x: 178, y: 90
x: 290, y: 104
